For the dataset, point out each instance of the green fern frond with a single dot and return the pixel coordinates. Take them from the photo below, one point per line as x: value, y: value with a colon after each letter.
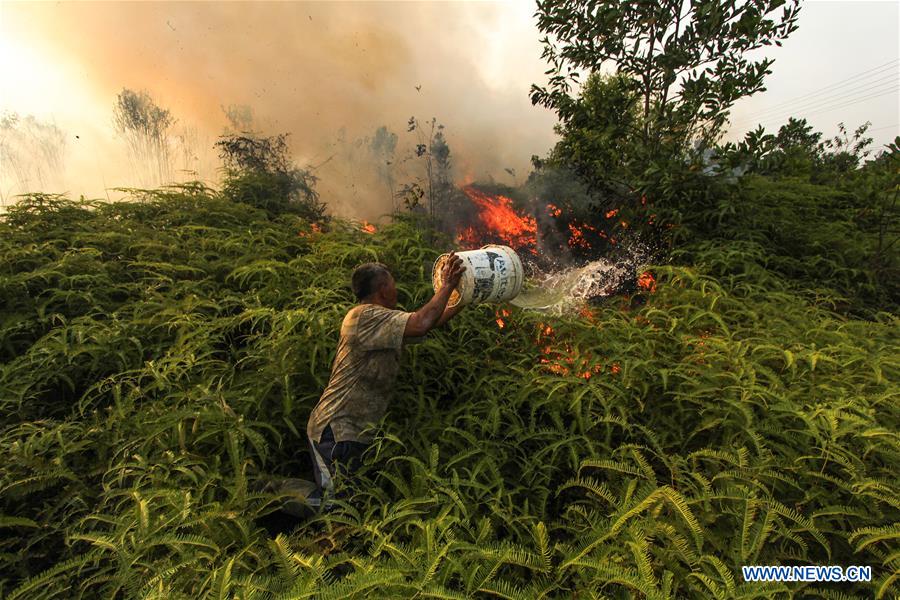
x: 867, y: 536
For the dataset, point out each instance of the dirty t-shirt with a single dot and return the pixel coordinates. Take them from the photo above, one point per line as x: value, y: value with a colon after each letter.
x: 363, y: 374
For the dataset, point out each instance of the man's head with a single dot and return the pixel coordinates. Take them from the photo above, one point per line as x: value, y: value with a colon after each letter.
x: 373, y: 283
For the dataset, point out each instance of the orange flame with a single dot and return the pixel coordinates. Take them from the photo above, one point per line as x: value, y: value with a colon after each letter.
x: 612, y: 213
x: 562, y: 361
x: 368, y: 227
x: 499, y: 219
x: 315, y: 227
x: 467, y: 237
x: 554, y: 210
x: 577, y: 239
x: 587, y: 313
x: 647, y: 282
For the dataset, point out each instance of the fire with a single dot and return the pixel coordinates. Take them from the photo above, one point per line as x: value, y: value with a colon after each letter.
x: 612, y: 213
x: 499, y: 219
x: 554, y: 210
x: 467, y: 237
x: 368, y: 227
x: 586, y: 313
x: 577, y: 238
x: 501, y: 314
x: 647, y: 282
x: 563, y: 362
x: 315, y: 228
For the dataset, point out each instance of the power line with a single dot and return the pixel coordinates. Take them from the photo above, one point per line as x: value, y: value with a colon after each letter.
x: 855, y: 80
x: 841, y: 105
x: 869, y: 85
x: 839, y: 84
x: 873, y: 89
x: 864, y: 87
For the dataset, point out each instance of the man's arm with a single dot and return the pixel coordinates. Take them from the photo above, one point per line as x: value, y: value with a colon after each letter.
x: 426, y: 318
x: 449, y: 313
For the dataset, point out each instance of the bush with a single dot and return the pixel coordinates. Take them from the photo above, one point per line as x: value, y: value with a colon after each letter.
x: 258, y: 173
x: 153, y: 366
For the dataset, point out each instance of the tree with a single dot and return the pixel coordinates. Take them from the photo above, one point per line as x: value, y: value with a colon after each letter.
x: 797, y: 151
x: 843, y: 153
x: 382, y: 147
x: 434, y: 149
x: 442, y: 181
x: 685, y: 59
x: 240, y: 118
x: 601, y: 135
x: 258, y: 172
x: 877, y: 189
x: 145, y: 128
x: 31, y: 152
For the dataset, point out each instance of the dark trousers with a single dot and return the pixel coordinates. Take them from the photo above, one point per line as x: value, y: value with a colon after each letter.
x: 329, y: 455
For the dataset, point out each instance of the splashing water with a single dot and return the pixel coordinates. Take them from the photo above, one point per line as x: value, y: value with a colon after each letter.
x: 566, y: 290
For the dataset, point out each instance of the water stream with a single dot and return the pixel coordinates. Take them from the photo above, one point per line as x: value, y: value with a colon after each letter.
x: 566, y: 290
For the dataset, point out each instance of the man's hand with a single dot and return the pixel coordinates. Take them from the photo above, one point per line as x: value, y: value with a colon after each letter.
x: 433, y: 313
x: 452, y: 270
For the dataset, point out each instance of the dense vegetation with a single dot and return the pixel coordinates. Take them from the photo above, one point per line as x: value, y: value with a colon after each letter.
x: 158, y: 355
x: 159, y: 358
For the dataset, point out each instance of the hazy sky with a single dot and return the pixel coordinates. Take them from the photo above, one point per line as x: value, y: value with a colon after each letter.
x: 331, y: 73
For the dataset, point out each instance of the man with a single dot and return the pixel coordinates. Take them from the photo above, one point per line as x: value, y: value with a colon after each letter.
x: 366, y: 365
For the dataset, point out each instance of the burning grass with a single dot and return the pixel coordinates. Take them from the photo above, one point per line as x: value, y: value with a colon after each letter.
x: 498, y: 222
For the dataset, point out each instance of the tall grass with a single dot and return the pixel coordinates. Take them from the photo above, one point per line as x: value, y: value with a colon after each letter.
x: 157, y: 355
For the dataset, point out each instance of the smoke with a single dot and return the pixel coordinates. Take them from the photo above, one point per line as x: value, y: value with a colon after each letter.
x: 31, y: 152
x: 329, y: 74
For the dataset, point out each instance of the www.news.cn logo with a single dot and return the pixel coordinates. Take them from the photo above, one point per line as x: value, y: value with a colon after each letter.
x: 806, y: 573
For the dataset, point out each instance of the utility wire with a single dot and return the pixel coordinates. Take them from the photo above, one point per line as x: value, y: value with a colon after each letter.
x: 892, y: 64
x: 864, y: 87
x: 808, y: 104
x: 842, y: 105
x: 805, y: 110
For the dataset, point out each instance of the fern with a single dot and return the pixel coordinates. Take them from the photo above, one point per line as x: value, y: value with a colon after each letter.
x: 151, y: 368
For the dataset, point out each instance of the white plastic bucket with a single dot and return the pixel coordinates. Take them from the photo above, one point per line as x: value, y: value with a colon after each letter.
x: 493, y: 274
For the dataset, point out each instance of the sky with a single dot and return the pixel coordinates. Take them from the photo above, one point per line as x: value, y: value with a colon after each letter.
x: 330, y: 74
